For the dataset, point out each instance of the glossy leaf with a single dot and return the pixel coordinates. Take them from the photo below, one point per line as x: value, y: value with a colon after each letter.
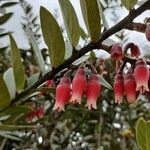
x: 4, y: 94
x: 143, y: 134
x: 91, y: 15
x: 129, y: 4
x: 105, y: 83
x: 71, y: 21
x: 18, y: 68
x: 5, y: 18
x: 37, y: 51
x: 10, y: 82
x: 53, y: 37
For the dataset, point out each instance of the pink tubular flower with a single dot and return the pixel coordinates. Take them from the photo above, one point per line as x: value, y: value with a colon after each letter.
x: 93, y: 91
x: 78, y: 86
x: 116, y: 52
x: 135, y: 51
x: 63, y: 91
x: 141, y: 75
x: 130, y: 87
x: 49, y: 83
x: 118, y: 88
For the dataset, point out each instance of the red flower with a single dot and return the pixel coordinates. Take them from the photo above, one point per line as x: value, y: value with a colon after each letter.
x: 130, y: 88
x: 40, y: 112
x: 118, y: 88
x: 141, y: 75
x: 147, y: 32
x: 116, y: 52
x: 63, y: 91
x: 93, y: 91
x: 49, y: 83
x: 78, y: 86
x: 135, y: 51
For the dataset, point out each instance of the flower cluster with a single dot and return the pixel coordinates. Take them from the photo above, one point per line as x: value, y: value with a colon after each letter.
x: 131, y: 84
x: 67, y: 92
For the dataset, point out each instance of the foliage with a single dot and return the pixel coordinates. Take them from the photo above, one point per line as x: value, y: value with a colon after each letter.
x: 28, y: 83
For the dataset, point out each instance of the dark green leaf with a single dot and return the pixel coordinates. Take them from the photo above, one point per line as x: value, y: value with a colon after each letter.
x: 91, y: 15
x: 4, y: 94
x: 71, y: 21
x: 8, y: 4
x: 53, y: 37
x: 10, y: 82
x: 129, y: 4
x: 83, y: 34
x: 18, y: 68
x: 3, y: 49
x: 4, y: 18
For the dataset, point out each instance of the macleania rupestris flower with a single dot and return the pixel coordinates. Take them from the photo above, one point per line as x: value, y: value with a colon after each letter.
x: 130, y: 87
x: 141, y: 75
x: 78, y: 86
x: 93, y: 91
x: 118, y: 88
x: 116, y: 52
x: 63, y: 91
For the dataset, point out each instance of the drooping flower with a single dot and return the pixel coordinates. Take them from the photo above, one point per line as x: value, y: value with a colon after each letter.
x: 63, y: 91
x: 135, y: 51
x: 78, y: 86
x: 130, y: 87
x: 49, y: 83
x: 93, y: 91
x: 118, y: 88
x: 116, y: 52
x: 147, y: 32
x: 141, y: 75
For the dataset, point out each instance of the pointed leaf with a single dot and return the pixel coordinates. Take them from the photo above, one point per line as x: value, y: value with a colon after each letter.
x: 18, y: 68
x: 71, y: 21
x: 105, y: 83
x: 53, y: 37
x: 129, y: 4
x: 10, y: 82
x: 4, y: 94
x: 36, y: 50
x: 143, y: 134
x: 83, y: 34
x: 91, y: 15
x: 8, y: 4
x: 5, y: 17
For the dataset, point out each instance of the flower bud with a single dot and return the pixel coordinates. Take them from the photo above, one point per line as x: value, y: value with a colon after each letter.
x: 141, y: 75
x: 147, y: 32
x: 78, y: 86
x: 130, y: 88
x: 116, y: 52
x: 63, y: 91
x: 135, y: 51
x: 118, y: 88
x: 93, y: 91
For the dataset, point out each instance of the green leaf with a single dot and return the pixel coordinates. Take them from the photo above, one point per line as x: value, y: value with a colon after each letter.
x: 10, y: 82
x: 15, y: 112
x: 46, y: 90
x: 71, y: 21
x: 83, y: 34
x: 129, y: 4
x: 8, y: 4
x: 53, y: 37
x: 143, y: 134
x: 105, y: 83
x: 5, y: 17
x: 31, y: 80
x: 17, y: 127
x: 3, y: 49
x: 4, y: 94
x: 18, y: 68
x: 68, y: 48
x: 36, y: 50
x: 91, y: 15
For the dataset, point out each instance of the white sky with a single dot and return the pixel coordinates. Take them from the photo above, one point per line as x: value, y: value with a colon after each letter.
x: 14, y: 23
